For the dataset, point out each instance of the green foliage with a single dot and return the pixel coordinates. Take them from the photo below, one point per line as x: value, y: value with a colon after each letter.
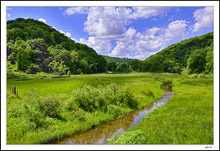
x: 167, y: 85
x: 148, y: 92
x: 123, y: 68
x: 91, y: 99
x: 209, y: 60
x: 111, y: 66
x: 196, y: 61
x: 35, y: 47
x: 189, y: 54
x: 117, y: 60
x: 133, y: 137
x: 51, y: 107
x: 36, y: 109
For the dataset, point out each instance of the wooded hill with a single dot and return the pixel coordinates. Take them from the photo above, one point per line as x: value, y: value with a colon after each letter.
x: 117, y: 60
x: 193, y: 55
x: 33, y: 46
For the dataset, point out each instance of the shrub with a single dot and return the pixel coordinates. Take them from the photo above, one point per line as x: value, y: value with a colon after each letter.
x: 91, y: 99
x: 33, y: 107
x: 114, y: 110
x: 130, y: 137
x: 72, y: 105
x: 37, y: 109
x: 148, y: 92
x: 33, y: 69
x: 51, y: 107
x: 167, y: 85
x: 129, y: 100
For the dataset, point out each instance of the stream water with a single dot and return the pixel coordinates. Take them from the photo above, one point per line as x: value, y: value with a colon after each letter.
x: 101, y: 134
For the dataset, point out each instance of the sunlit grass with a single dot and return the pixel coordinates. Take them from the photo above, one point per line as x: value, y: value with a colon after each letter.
x: 187, y: 118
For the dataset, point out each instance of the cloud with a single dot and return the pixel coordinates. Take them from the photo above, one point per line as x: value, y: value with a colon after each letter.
x: 104, y: 24
x: 141, y: 45
x: 65, y: 33
x: 176, y: 29
x: 42, y: 20
x: 111, y: 22
x: 203, y: 17
x: 8, y: 15
x: 146, y: 12
x: 68, y: 34
x: 102, y: 46
x: 74, y: 10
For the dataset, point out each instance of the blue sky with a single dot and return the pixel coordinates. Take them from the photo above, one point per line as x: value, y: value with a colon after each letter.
x: 133, y: 32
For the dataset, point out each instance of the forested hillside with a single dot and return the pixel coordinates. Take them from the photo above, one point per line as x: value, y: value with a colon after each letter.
x: 194, y: 55
x: 118, y: 64
x: 33, y: 46
x: 117, y: 60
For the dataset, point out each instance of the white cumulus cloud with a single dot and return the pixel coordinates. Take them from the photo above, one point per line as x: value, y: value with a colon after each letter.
x: 176, y: 29
x: 104, y: 24
x: 42, y: 20
x: 141, y: 45
x: 204, y: 18
x: 74, y: 10
x: 146, y: 12
x: 111, y: 22
x: 65, y: 33
x: 102, y: 46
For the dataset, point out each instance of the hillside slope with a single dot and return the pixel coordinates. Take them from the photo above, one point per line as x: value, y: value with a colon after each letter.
x: 33, y: 46
x: 194, y: 55
x: 117, y: 60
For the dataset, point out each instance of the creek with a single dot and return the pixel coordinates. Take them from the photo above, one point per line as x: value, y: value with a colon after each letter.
x: 105, y: 131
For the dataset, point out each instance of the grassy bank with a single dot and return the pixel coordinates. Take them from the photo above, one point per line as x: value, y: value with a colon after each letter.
x: 187, y: 118
x: 51, y: 108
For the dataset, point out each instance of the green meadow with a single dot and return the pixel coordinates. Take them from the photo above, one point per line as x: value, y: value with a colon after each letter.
x: 187, y: 118
x: 49, y: 108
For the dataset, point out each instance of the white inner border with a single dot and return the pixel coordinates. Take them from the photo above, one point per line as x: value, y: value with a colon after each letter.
x: 215, y: 4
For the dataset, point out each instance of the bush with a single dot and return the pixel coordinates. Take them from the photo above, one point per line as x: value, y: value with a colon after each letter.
x: 92, y: 99
x: 33, y: 69
x: 130, y: 137
x: 148, y: 92
x: 129, y: 100
x: 37, y: 109
x: 167, y: 85
x: 114, y: 110
x: 51, y: 107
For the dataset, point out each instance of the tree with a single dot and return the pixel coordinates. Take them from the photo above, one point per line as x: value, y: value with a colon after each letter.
x: 23, y: 57
x: 209, y: 60
x: 196, y: 61
x: 111, y: 66
x: 123, y: 68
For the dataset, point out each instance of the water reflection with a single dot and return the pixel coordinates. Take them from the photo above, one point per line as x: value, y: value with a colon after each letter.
x: 102, y: 133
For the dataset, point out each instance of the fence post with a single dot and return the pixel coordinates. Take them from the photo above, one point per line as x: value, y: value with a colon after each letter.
x: 16, y: 93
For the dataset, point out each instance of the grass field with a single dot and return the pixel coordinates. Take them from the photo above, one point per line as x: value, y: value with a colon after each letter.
x: 187, y: 118
x: 51, y: 108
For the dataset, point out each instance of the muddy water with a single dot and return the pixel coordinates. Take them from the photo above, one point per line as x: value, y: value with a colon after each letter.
x: 102, y: 133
